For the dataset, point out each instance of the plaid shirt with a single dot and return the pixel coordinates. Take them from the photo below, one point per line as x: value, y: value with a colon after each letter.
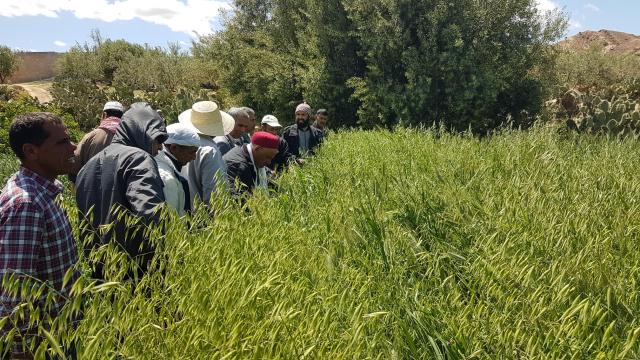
x: 35, y: 236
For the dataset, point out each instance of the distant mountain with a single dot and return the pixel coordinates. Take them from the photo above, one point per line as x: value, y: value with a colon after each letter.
x: 611, y: 42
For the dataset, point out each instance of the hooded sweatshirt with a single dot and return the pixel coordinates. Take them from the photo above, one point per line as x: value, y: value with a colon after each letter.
x: 123, y: 177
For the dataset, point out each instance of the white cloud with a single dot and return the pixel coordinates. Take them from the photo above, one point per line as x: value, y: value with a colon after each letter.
x: 190, y: 16
x: 592, y: 7
x: 575, y: 24
x: 547, y: 5
x: 59, y: 43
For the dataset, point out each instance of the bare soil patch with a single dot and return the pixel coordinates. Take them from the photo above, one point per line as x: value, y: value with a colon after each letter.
x: 41, y: 90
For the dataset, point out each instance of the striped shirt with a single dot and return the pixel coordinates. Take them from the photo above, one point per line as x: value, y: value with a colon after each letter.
x: 35, y: 238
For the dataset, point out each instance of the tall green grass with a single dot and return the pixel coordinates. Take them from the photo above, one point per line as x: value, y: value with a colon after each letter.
x: 405, y: 244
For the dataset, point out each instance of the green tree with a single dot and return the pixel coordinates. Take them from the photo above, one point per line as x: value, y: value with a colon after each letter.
x: 170, y: 79
x: 256, y: 56
x: 457, y: 63
x: 9, y: 63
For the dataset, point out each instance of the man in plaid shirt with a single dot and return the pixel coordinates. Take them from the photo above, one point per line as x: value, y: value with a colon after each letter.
x: 36, y: 243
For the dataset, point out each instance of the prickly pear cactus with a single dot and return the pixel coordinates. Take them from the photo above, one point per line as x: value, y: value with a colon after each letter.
x: 614, y: 111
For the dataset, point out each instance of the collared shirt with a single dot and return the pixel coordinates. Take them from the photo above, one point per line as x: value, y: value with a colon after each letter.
x: 261, y: 181
x: 35, y: 237
x: 183, y: 181
x: 304, y: 138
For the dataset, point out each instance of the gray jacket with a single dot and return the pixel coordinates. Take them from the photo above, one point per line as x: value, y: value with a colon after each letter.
x: 124, y: 176
x: 207, y: 172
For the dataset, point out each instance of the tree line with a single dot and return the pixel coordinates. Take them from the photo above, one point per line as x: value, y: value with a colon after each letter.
x: 459, y: 64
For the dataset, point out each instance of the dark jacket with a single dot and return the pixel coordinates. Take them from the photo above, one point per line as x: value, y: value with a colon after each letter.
x: 240, y: 168
x: 282, y: 159
x: 290, y: 134
x: 227, y: 142
x: 124, y: 176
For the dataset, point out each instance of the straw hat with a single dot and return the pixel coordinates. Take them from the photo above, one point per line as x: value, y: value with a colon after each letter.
x: 207, y: 119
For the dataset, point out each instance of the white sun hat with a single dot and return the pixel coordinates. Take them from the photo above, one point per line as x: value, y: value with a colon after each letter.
x: 271, y: 121
x: 181, y: 134
x: 206, y: 118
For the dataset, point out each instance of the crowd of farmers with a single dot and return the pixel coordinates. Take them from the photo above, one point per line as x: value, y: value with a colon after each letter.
x: 131, y: 164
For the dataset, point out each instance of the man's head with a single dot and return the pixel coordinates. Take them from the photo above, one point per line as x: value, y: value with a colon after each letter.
x: 303, y: 115
x: 112, y: 109
x: 42, y: 143
x: 322, y: 117
x: 270, y: 124
x: 141, y: 127
x: 265, y: 148
x: 242, y: 122
x: 252, y: 119
x: 183, y: 142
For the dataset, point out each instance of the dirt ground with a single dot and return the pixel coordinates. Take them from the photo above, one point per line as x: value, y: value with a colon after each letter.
x: 614, y: 42
x: 41, y: 90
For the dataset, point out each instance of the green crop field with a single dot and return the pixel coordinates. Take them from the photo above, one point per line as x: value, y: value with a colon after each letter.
x: 397, y: 245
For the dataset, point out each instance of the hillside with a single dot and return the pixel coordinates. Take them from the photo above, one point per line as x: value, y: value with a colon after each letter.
x: 612, y: 42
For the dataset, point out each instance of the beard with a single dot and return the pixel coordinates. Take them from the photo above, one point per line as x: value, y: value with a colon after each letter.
x: 303, y: 123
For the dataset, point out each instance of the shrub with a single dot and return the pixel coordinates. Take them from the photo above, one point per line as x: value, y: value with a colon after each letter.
x: 15, y: 101
x: 93, y: 73
x: 9, y: 63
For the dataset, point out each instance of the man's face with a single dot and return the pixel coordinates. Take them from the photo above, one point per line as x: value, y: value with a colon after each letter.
x: 243, y: 124
x: 321, y: 120
x: 270, y: 129
x: 252, y: 125
x: 183, y: 154
x: 55, y: 156
x: 302, y: 118
x: 263, y: 156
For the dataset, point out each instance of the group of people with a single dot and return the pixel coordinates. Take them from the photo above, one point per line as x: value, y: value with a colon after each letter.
x: 131, y: 164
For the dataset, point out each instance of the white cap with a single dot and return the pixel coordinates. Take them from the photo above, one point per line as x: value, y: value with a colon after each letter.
x: 113, y: 105
x: 271, y: 121
x: 181, y: 134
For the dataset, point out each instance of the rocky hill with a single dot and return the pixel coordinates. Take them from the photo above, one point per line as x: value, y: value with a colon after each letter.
x: 611, y: 42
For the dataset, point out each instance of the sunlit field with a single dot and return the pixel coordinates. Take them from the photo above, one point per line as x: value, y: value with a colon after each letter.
x: 392, y: 245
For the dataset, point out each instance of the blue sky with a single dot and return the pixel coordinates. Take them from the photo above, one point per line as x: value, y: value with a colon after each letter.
x: 56, y: 25
x: 619, y: 15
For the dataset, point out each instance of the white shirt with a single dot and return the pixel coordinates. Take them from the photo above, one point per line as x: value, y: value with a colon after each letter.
x: 261, y: 181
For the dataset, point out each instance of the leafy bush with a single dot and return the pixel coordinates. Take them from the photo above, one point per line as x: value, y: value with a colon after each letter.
x: 460, y: 64
x: 93, y: 73
x: 9, y: 63
x: 15, y: 101
x: 593, y: 69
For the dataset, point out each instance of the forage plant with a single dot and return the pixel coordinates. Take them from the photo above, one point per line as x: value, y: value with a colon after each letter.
x: 404, y: 244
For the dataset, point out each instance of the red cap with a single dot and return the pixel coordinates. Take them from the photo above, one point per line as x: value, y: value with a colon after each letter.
x: 265, y: 139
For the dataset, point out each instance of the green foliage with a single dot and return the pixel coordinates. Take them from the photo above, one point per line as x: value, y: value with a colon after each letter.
x: 612, y: 110
x: 15, y: 101
x: 9, y: 63
x: 595, y: 69
x: 461, y: 64
x: 426, y: 245
x: 91, y: 74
